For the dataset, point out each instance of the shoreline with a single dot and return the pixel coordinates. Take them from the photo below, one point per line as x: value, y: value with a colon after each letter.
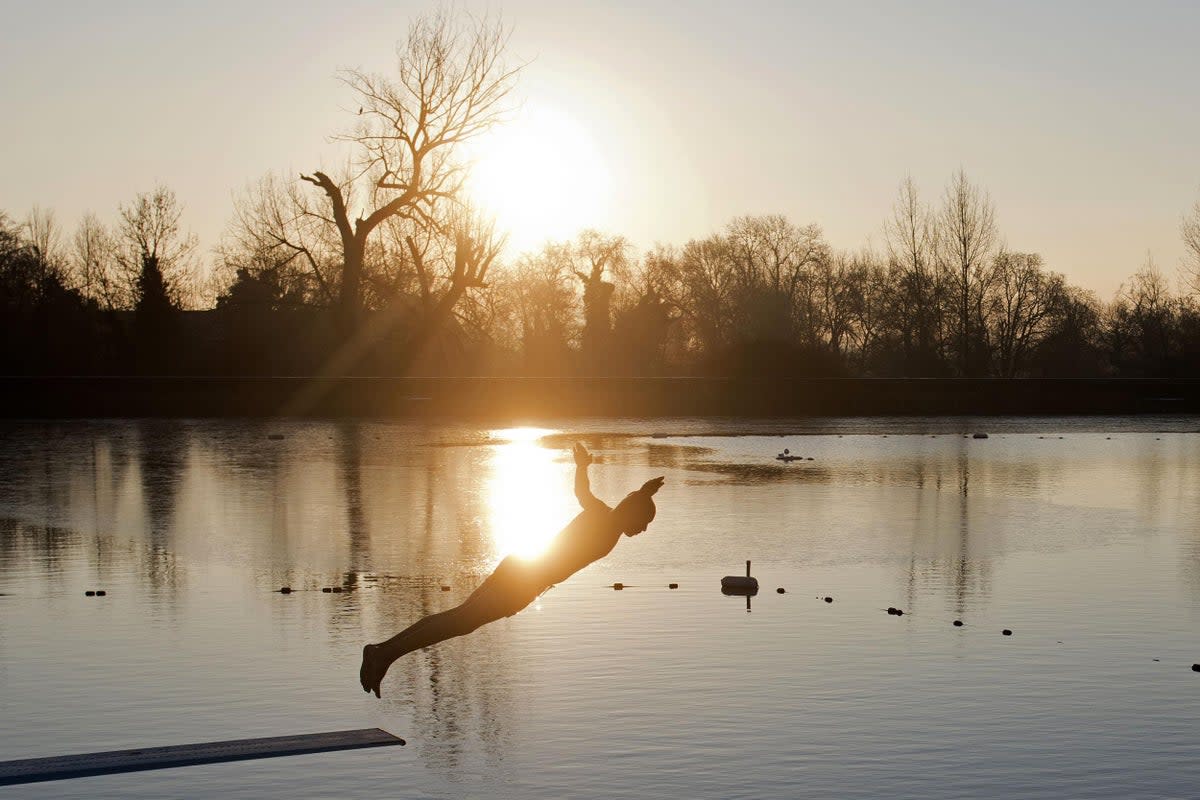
x: 504, y: 397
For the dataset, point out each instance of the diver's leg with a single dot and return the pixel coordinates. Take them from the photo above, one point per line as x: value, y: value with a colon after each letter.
x: 447, y: 625
x: 372, y: 668
x: 483, y: 592
x: 430, y: 630
x: 416, y: 626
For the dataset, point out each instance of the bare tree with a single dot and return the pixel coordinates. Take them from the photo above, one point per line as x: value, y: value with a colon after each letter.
x: 1023, y: 301
x: 912, y: 248
x: 544, y: 301
x: 1189, y: 229
x: 450, y: 86
x: 1142, y: 324
x: 279, y: 227
x: 1073, y: 346
x: 44, y: 236
x: 660, y: 273
x: 967, y: 238
x: 21, y: 279
x: 774, y: 263
x: 869, y: 303
x: 836, y: 291
x: 705, y: 294
x: 595, y: 257
x: 448, y: 260
x: 150, y: 239
x: 93, y: 264
x: 910, y: 233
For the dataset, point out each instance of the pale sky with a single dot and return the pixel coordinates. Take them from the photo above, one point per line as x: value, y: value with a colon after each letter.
x: 1081, y: 119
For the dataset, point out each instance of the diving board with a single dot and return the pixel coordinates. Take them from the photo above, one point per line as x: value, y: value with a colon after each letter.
x: 32, y: 770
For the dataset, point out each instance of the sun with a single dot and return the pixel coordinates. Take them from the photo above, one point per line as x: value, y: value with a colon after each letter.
x: 526, y: 495
x: 541, y: 176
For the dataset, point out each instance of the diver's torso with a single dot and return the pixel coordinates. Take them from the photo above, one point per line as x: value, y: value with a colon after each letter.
x: 588, y: 537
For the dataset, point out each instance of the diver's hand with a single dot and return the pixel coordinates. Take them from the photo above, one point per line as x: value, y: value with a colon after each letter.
x: 651, y: 486
x: 582, y: 456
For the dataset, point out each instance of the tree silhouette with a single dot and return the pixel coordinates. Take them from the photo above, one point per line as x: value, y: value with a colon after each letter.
x: 154, y: 253
x: 157, y: 259
x: 966, y: 239
x: 450, y: 85
x: 916, y: 295
x: 1189, y: 230
x: 595, y: 257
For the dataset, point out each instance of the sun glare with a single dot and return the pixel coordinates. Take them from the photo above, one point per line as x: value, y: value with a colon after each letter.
x: 524, y: 433
x: 541, y: 176
x: 525, y: 499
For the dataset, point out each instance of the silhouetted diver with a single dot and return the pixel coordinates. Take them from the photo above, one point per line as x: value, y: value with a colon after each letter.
x: 516, y: 582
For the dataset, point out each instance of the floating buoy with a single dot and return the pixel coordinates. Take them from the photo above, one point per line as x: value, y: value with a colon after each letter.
x: 337, y: 590
x: 326, y: 589
x: 285, y: 590
x: 958, y: 623
x: 1195, y: 667
x: 780, y: 590
x: 828, y: 599
x: 445, y: 588
x: 100, y: 593
x: 737, y: 584
x: 979, y: 436
x: 618, y: 586
x: 1006, y: 632
x: 672, y: 585
x: 90, y: 593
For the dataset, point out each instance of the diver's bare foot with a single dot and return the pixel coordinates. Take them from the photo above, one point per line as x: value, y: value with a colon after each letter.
x: 370, y: 674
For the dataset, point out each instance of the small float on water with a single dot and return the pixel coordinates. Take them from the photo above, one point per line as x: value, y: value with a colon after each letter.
x: 740, y: 585
x: 787, y: 457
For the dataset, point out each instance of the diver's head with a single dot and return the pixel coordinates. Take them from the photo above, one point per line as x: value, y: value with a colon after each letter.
x: 635, y: 512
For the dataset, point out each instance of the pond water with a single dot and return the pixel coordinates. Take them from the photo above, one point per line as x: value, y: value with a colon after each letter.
x: 1081, y: 536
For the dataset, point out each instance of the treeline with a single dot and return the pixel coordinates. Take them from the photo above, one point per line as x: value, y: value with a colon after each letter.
x: 382, y: 267
x: 104, y: 300
x: 944, y: 298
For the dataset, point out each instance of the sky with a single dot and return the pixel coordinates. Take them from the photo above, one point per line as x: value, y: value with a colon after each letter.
x: 1081, y: 119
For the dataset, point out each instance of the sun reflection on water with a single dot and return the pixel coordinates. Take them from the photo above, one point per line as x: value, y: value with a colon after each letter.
x: 528, y: 493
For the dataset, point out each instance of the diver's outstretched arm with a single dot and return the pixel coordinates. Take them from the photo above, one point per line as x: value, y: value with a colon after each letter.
x: 583, y: 488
